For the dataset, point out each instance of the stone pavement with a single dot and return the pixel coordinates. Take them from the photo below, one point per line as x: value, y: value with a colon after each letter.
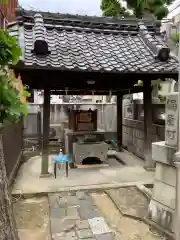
x: 74, y: 216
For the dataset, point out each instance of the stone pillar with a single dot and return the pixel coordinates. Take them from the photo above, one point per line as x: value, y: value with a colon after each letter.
x: 119, y: 121
x: 177, y: 205
x: 55, y: 113
x: 148, y: 126
x: 45, y: 140
x: 162, y: 205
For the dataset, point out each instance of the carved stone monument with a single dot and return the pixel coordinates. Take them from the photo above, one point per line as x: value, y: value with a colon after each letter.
x: 162, y: 205
x: 171, y: 125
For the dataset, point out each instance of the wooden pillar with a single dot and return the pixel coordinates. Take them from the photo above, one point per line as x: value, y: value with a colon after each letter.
x: 46, y: 126
x: 147, y: 90
x: 119, y: 122
x: 39, y: 130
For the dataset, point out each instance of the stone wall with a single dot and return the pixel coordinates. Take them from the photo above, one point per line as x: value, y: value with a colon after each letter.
x: 162, y: 205
x: 133, y: 135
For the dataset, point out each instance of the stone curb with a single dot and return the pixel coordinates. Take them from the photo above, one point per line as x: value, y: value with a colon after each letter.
x: 78, y: 188
x: 168, y: 234
x: 144, y: 190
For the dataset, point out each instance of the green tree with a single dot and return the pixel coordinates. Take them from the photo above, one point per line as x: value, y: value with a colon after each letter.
x: 113, y: 8
x: 157, y: 8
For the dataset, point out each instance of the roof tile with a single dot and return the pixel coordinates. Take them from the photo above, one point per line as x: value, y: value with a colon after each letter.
x: 107, y: 46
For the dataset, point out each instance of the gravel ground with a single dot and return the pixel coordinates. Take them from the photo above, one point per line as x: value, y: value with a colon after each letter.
x: 32, y: 218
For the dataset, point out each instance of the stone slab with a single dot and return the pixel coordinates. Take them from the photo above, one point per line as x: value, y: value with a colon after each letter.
x: 62, y: 225
x: 164, y: 194
x: 84, y: 233
x: 163, y: 153
x: 72, y: 213
x: 53, y: 200
x: 166, y: 174
x: 107, y: 236
x: 87, y: 209
x: 87, y: 213
x: 68, y: 201
x: 57, y: 212
x: 81, y: 195
x: 99, y: 226
x: 82, y: 224
x: 65, y: 236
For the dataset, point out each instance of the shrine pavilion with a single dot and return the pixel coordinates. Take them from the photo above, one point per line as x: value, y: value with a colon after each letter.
x: 85, y: 55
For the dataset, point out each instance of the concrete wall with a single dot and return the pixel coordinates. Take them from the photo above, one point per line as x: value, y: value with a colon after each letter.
x: 32, y: 125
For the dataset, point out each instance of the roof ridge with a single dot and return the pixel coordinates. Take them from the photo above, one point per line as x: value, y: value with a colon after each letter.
x: 160, y: 50
x: 121, y: 25
x: 20, y: 12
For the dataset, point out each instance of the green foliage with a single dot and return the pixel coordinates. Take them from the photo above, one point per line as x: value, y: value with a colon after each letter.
x: 3, y: 1
x: 9, y: 49
x: 175, y: 37
x: 162, y: 98
x: 113, y: 8
x: 140, y: 84
x: 157, y: 8
x: 12, y: 93
x: 11, y: 105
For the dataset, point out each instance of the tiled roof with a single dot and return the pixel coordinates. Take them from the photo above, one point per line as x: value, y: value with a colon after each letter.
x: 93, y: 44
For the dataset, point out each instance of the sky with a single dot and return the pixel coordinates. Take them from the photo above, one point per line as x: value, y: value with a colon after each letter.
x: 81, y: 7
x: 174, y: 9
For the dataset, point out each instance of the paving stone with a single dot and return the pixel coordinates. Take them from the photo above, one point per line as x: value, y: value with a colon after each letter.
x: 53, y: 200
x: 63, y: 225
x: 57, y: 212
x: 87, y: 211
x: 89, y: 238
x: 81, y: 195
x: 84, y: 234
x: 68, y: 201
x: 107, y: 236
x: 72, y: 213
x: 72, y: 201
x: 99, y: 226
x: 62, y: 202
x: 82, y: 224
x: 88, y: 199
x: 54, y: 225
x: 65, y: 236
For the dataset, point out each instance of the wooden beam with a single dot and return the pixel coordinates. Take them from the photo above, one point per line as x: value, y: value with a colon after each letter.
x: 97, y: 92
x: 119, y: 121
x: 46, y: 125
x: 148, y: 124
